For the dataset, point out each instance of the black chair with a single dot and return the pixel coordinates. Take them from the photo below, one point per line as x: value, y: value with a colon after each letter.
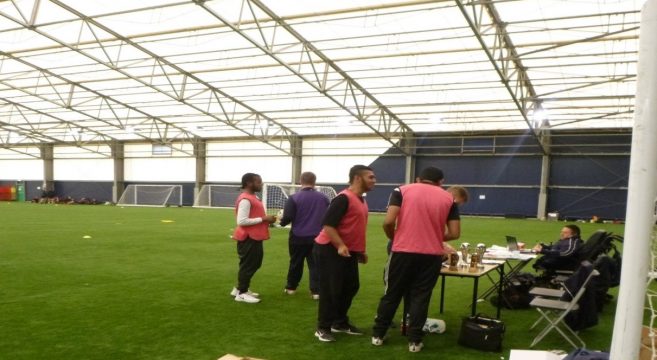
x: 599, y: 243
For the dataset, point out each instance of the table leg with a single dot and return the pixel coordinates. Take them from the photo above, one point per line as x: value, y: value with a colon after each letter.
x: 474, y: 296
x: 499, y: 291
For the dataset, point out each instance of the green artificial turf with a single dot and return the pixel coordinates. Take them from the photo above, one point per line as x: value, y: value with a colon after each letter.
x: 141, y: 288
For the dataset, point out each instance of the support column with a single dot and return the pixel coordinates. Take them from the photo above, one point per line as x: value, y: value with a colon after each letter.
x: 408, y: 144
x: 641, y: 196
x: 545, y: 175
x: 200, y: 152
x: 296, y: 145
x: 47, y: 156
x: 118, y: 156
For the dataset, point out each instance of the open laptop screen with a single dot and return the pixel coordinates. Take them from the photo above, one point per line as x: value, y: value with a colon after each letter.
x: 512, y: 243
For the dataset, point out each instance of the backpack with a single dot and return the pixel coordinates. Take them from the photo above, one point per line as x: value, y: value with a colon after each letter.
x: 583, y: 354
x: 516, y: 293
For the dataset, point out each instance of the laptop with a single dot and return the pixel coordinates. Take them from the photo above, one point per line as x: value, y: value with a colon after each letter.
x: 512, y: 245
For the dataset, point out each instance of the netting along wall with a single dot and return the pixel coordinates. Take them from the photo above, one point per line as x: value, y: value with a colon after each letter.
x: 219, y: 196
x: 151, y: 195
x: 651, y: 296
x: 274, y: 196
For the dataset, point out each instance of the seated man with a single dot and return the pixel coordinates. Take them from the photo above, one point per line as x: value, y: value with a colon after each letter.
x: 562, y: 254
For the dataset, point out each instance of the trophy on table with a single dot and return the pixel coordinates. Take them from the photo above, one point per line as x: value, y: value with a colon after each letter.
x: 474, y: 263
x: 465, y: 247
x: 453, y: 262
x: 481, y: 250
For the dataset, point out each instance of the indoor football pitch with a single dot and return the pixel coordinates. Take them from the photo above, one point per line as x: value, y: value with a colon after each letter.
x: 108, y: 282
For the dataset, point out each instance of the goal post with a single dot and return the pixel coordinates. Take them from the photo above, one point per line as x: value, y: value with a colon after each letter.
x: 151, y: 195
x: 274, y: 196
x: 217, y: 196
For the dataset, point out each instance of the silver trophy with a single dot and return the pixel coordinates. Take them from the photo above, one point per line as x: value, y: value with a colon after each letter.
x: 464, y: 249
x: 481, y: 250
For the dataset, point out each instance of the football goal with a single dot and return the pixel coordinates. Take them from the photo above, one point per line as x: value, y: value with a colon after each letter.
x: 151, y: 195
x: 274, y: 196
x: 217, y: 196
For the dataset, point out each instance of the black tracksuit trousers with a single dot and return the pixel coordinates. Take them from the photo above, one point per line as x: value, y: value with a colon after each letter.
x: 412, y: 274
x: 338, y: 284
x: 250, y: 253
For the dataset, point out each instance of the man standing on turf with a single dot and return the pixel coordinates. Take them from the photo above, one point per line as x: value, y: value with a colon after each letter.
x: 339, y: 247
x: 420, y: 217
x: 305, y: 210
x: 252, y: 229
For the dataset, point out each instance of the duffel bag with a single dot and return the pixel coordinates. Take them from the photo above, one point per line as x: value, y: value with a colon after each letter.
x: 482, y: 333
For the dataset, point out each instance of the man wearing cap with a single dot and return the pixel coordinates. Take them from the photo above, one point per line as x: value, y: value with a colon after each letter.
x: 420, y: 217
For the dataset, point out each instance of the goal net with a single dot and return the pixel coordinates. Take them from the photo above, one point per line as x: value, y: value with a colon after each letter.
x: 649, y: 334
x: 274, y: 196
x: 217, y: 196
x: 151, y: 195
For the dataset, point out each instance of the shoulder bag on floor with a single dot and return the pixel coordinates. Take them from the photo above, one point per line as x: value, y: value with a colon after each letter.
x: 482, y: 333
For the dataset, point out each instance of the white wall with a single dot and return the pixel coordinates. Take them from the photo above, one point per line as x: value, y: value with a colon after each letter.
x: 140, y: 165
x: 228, y: 161
x: 83, y: 169
x: 272, y: 169
x: 330, y: 159
x: 160, y: 170
x: 27, y: 169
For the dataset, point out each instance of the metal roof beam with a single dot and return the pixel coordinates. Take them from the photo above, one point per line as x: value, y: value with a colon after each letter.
x: 38, y: 136
x: 255, y: 124
x: 64, y: 100
x: 319, y: 71
x: 482, y: 17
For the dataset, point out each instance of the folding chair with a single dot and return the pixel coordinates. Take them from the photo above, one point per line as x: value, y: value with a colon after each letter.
x: 555, y: 310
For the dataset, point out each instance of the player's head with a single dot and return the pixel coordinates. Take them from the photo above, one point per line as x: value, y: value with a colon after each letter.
x: 431, y: 174
x: 252, y: 182
x: 569, y: 231
x: 307, y: 179
x: 459, y: 193
x: 362, y: 176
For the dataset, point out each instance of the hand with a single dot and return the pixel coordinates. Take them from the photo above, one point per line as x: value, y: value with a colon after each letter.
x: 343, y: 250
x: 363, y: 258
x: 269, y: 219
x: 449, y: 249
x: 537, y: 248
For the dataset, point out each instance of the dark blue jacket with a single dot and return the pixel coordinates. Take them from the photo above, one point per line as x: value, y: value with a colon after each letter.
x: 563, y: 247
x: 305, y: 210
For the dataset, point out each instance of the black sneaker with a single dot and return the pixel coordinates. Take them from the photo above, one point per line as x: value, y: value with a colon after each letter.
x: 346, y: 328
x: 324, y: 335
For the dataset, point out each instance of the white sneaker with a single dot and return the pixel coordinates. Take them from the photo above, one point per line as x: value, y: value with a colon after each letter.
x: 377, y: 341
x: 415, y: 347
x: 314, y: 296
x: 236, y: 292
x: 289, y: 291
x: 245, y: 297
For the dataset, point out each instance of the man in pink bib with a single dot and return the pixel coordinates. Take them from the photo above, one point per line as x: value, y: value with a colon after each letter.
x: 339, y: 247
x: 420, y: 217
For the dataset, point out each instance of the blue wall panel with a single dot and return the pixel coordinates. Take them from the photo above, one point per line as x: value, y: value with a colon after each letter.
x: 591, y: 143
x: 585, y: 203
x: 99, y: 190
x: 486, y: 170
x: 589, y: 170
x: 33, y: 189
x: 501, y: 201
x: 389, y: 169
